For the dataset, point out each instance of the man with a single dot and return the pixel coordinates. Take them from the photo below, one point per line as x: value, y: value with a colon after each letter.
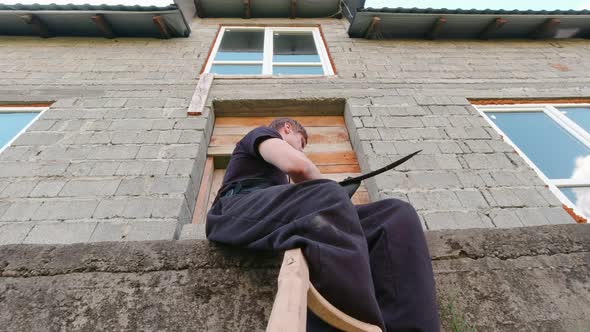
x: 370, y: 261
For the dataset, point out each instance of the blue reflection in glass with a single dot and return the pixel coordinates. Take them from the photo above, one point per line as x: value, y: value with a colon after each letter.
x: 12, y: 123
x: 237, y: 69
x: 241, y: 45
x: 296, y: 58
x: 294, y: 47
x: 579, y: 115
x: 297, y: 70
x: 547, y: 144
x: 238, y: 56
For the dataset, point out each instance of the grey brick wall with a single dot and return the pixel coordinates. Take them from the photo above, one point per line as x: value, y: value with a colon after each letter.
x: 117, y: 158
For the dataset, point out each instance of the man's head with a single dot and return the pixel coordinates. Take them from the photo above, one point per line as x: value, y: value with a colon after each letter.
x: 291, y: 131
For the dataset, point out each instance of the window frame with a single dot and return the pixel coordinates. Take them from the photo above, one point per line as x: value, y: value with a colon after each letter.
x: 561, y: 120
x: 267, y: 58
x: 23, y: 109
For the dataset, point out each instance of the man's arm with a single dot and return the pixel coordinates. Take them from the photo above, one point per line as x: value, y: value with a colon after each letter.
x: 289, y: 160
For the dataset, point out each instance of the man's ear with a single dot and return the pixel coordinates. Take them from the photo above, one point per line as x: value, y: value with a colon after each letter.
x: 287, y: 128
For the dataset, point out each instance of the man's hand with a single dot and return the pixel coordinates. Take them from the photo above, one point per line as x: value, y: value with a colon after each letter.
x: 289, y: 160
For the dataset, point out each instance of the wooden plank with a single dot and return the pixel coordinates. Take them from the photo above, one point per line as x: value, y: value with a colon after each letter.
x: 201, y: 205
x: 293, y: 11
x: 215, y: 186
x: 200, y: 95
x: 437, y: 27
x: 323, y: 136
x: 39, y: 26
x: 333, y: 316
x: 360, y: 197
x: 333, y: 158
x: 351, y: 168
x: 311, y: 130
x: 162, y: 27
x: 494, y: 26
x: 374, y: 28
x: 226, y: 150
x: 306, y: 121
x: 247, y: 9
x: 289, y: 310
x: 103, y: 25
x: 546, y: 29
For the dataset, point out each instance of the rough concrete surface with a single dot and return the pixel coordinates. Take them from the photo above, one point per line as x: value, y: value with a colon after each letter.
x: 519, y: 279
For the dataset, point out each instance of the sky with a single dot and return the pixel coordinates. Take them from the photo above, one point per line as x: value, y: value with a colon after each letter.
x: 451, y: 4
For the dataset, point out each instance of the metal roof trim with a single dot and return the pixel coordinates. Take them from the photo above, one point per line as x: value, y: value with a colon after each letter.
x: 85, y: 7
x: 415, y: 10
x: 396, y: 25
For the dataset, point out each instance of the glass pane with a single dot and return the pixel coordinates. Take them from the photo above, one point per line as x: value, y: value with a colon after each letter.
x: 580, y: 115
x: 548, y: 145
x: 294, y: 47
x: 237, y: 69
x: 580, y: 196
x: 12, y: 123
x: 297, y: 70
x: 241, y: 45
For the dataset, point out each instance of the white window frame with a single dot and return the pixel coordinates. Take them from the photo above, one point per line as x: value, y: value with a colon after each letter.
x: 267, y: 63
x: 561, y: 120
x: 24, y: 109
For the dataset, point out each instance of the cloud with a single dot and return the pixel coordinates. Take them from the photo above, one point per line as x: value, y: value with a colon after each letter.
x: 584, y: 5
x: 582, y: 172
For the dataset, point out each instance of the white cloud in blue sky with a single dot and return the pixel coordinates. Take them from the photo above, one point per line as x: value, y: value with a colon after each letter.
x: 481, y: 4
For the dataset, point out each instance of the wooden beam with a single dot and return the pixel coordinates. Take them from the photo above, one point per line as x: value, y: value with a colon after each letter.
x: 160, y: 23
x: 247, y: 9
x: 39, y: 27
x: 199, y: 8
x: 200, y: 95
x: 545, y: 29
x: 494, y: 26
x: 374, y: 27
x: 332, y: 315
x: 103, y: 25
x: 201, y: 205
x: 293, y: 11
x: 289, y: 311
x: 437, y: 27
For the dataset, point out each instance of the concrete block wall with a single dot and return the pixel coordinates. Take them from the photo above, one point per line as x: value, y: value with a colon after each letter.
x: 117, y: 158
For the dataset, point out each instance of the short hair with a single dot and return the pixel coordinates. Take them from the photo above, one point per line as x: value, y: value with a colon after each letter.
x: 279, y: 123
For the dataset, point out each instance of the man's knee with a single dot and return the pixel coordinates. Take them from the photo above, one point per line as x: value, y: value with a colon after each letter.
x: 404, y: 214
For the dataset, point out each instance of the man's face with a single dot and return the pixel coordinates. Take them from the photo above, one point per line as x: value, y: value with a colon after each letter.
x: 296, y: 140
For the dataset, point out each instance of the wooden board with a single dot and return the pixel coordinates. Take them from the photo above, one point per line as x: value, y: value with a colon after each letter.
x: 202, y: 204
x: 306, y: 121
x: 215, y: 186
x: 226, y: 150
x: 329, y: 148
x: 317, y: 135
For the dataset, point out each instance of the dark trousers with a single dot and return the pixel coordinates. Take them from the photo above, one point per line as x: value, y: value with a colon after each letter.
x: 370, y: 261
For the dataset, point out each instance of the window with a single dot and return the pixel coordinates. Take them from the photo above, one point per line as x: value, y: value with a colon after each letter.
x: 269, y: 51
x: 555, y: 141
x: 329, y: 148
x: 14, y: 121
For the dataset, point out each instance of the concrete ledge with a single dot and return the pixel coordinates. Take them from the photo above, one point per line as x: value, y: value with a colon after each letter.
x: 528, y: 279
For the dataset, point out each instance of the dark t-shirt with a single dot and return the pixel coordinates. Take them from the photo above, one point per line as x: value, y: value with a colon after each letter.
x: 247, y: 163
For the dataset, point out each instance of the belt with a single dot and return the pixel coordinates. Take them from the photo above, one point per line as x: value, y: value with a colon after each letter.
x: 244, y: 187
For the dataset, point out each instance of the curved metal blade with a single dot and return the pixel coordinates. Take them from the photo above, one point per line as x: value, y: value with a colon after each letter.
x: 379, y: 171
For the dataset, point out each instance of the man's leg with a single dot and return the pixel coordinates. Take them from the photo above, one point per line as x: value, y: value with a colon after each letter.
x: 401, y: 265
x: 316, y: 216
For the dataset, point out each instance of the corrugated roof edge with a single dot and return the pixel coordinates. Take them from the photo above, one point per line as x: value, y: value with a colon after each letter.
x: 473, y: 11
x: 86, y: 7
